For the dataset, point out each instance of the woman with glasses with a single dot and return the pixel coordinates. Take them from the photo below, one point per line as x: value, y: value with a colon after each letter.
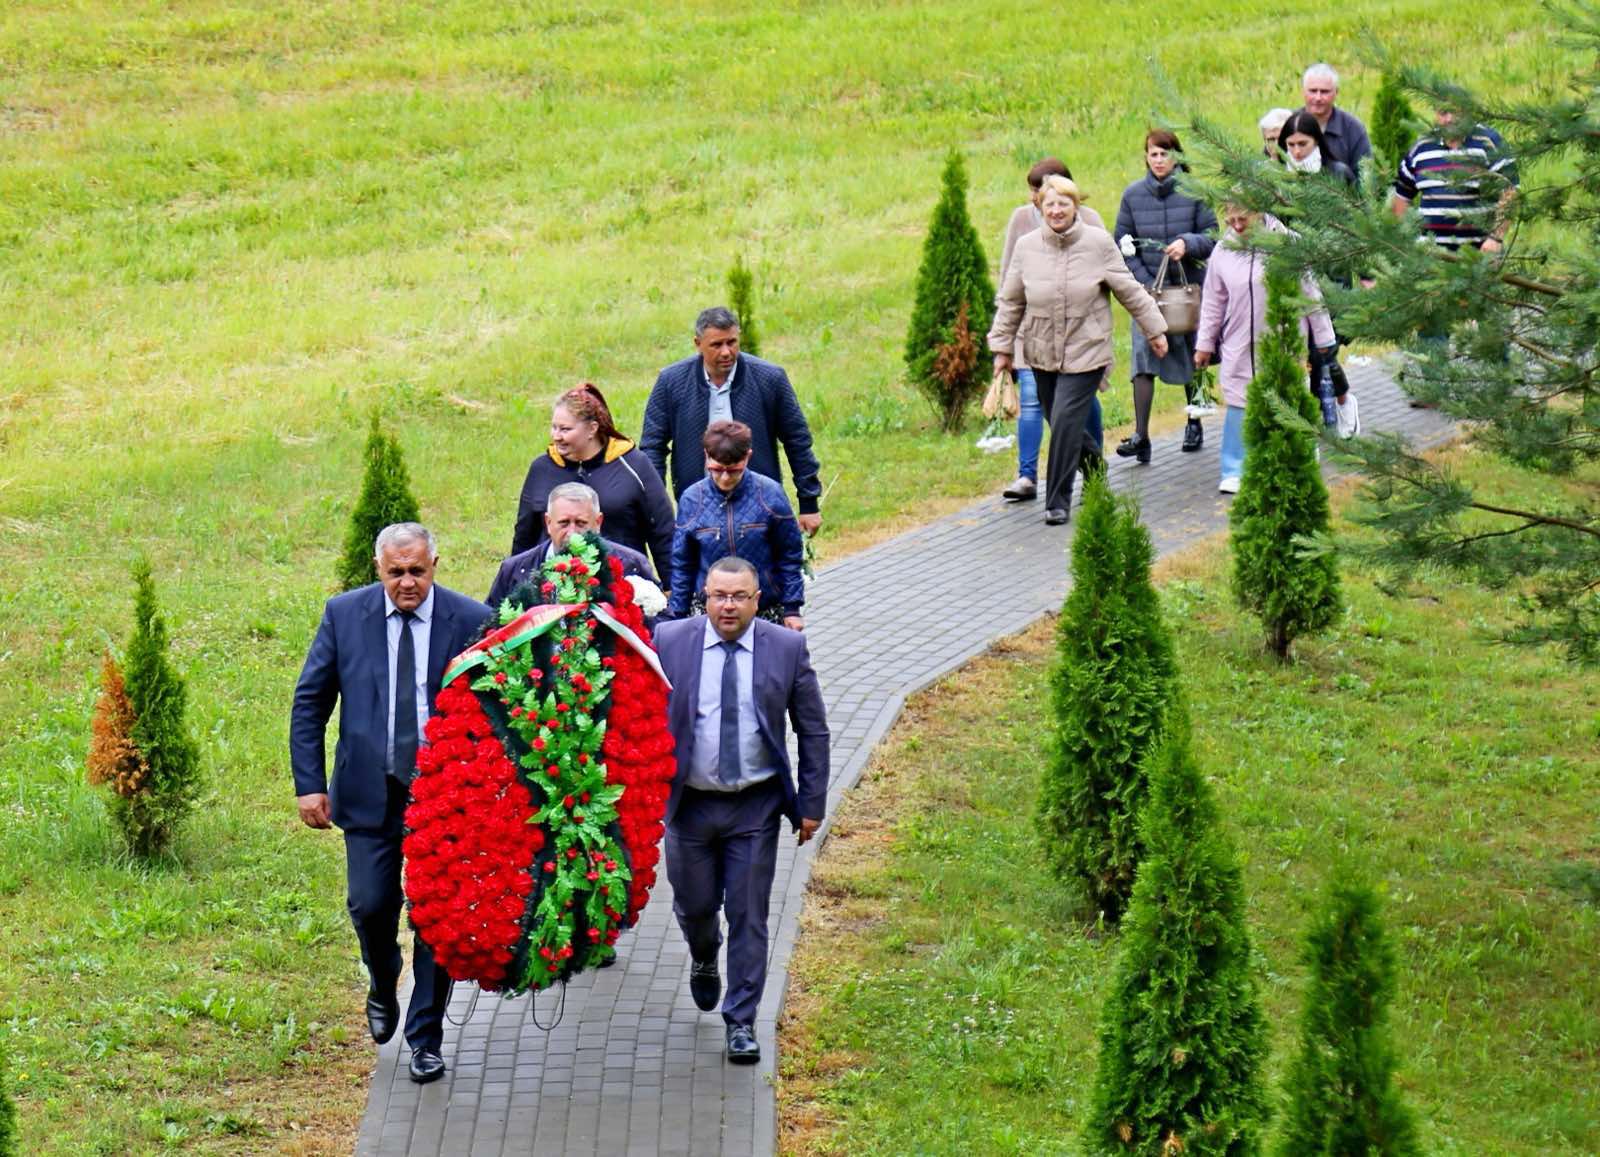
x: 735, y: 511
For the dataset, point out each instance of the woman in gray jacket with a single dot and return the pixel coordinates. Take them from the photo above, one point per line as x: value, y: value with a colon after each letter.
x: 1154, y: 221
x: 1055, y: 302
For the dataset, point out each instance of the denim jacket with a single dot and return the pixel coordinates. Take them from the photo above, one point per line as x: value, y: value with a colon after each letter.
x: 755, y: 522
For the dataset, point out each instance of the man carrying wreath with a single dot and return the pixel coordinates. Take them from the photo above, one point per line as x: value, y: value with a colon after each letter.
x: 380, y: 652
x: 735, y: 679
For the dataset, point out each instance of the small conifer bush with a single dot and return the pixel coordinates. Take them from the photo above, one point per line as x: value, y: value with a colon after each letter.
x: 1395, y: 127
x: 1181, y: 1036
x: 141, y: 747
x: 742, y: 300
x: 9, y: 1145
x: 1282, y: 501
x: 947, y: 352
x: 385, y: 499
x: 1341, y: 1095
x: 1113, y: 680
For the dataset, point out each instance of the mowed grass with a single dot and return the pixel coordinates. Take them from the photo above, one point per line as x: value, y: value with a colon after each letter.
x: 945, y: 995
x: 227, y: 231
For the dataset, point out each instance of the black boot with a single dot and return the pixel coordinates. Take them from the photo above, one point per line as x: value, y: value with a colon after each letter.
x: 1134, y: 446
x: 1193, y: 436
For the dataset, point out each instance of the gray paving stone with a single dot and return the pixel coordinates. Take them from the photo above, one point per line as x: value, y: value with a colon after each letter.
x: 624, y: 1063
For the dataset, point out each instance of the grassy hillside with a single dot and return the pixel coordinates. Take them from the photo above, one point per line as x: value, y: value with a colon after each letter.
x: 227, y: 230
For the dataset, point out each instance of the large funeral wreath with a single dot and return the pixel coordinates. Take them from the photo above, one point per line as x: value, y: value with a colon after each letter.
x: 536, y: 814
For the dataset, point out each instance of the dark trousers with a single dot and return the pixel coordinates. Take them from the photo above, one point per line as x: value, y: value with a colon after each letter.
x: 722, y: 851
x: 1066, y: 400
x: 374, y: 898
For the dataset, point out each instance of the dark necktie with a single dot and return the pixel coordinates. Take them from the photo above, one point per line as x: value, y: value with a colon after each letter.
x: 728, y: 738
x: 405, y: 703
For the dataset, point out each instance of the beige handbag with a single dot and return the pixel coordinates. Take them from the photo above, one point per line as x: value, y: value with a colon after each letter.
x: 1001, y: 401
x: 1179, y: 304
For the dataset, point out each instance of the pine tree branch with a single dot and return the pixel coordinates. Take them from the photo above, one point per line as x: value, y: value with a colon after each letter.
x: 1544, y: 519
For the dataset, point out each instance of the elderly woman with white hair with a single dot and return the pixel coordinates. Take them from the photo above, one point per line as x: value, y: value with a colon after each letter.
x: 1270, y: 123
x: 1054, y: 309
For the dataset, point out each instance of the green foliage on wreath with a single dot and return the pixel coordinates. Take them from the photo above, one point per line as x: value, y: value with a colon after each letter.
x: 149, y: 817
x: 1182, y: 1038
x: 1114, y: 678
x: 947, y: 352
x: 1282, y: 505
x: 386, y: 499
x: 742, y: 300
x: 1341, y: 1095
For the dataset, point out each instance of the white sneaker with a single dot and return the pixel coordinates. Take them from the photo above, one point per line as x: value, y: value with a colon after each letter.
x: 1348, y: 414
x: 1229, y: 485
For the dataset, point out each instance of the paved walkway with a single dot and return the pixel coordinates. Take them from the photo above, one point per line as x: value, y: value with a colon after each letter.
x: 633, y: 1067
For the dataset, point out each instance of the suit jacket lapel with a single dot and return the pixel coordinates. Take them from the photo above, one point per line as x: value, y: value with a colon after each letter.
x: 378, y: 648
x: 686, y: 690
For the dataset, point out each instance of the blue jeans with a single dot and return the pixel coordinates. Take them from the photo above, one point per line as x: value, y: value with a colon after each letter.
x: 1232, y: 453
x: 1030, y: 426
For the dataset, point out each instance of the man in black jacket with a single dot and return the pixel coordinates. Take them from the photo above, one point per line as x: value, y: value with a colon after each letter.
x: 572, y: 508
x: 380, y: 653
x: 719, y: 382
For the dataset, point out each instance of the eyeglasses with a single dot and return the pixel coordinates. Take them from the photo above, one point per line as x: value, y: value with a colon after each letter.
x: 724, y: 471
x: 737, y: 598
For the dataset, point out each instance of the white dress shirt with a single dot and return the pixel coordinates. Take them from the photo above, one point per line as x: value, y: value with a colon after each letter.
x: 421, y: 628
x: 754, y: 763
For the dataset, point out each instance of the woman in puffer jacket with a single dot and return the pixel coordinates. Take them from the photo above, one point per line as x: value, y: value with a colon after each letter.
x: 1054, y: 311
x: 586, y: 447
x: 1233, y: 320
x: 1155, y: 220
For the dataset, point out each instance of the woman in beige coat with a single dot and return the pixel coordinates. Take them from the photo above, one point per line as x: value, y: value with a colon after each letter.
x: 1055, y: 302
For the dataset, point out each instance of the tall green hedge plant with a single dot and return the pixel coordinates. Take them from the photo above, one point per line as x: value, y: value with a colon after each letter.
x: 386, y: 498
x: 947, y: 352
x: 1114, y: 678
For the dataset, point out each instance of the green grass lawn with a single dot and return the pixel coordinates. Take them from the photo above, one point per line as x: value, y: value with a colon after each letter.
x: 936, y: 1006
x: 226, y: 231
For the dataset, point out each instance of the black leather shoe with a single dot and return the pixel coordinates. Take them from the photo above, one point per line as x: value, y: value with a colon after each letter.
x: 1194, y: 436
x: 383, y: 1016
x: 1055, y: 517
x: 426, y: 1066
x: 742, y: 1047
x: 1134, y: 446
x: 705, y: 985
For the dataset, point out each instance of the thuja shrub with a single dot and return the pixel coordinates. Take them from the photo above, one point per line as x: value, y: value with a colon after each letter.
x: 141, y: 747
x: 386, y: 498
x: 1341, y: 1094
x: 1395, y: 126
x: 742, y: 300
x: 1114, y: 678
x: 9, y: 1145
x: 1181, y: 1037
x: 947, y: 354
x: 1282, y: 505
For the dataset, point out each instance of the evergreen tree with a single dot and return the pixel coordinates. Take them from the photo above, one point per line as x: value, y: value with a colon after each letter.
x: 1282, y: 502
x: 9, y: 1145
x: 385, y: 499
x: 946, y: 347
x: 1182, y: 1038
x: 742, y: 299
x: 1341, y: 1098
x: 1114, y: 678
x: 1518, y: 365
x: 149, y: 817
x: 1395, y: 127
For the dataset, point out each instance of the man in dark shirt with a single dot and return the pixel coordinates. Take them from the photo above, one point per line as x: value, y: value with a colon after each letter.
x: 1344, y: 134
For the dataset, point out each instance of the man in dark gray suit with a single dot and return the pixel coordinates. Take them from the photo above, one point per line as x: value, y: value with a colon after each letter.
x: 380, y: 652
x: 734, y: 680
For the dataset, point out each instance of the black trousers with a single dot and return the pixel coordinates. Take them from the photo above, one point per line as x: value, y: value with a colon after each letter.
x: 375, y: 901
x: 1066, y: 400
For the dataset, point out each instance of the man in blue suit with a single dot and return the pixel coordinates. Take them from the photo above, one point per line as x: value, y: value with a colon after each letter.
x: 718, y: 383
x: 380, y: 652
x: 734, y: 680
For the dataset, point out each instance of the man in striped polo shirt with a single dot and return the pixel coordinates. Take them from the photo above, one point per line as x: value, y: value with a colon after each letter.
x: 1462, y: 184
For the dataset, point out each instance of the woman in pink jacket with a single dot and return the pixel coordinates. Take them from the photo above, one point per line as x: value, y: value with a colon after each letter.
x: 1233, y: 315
